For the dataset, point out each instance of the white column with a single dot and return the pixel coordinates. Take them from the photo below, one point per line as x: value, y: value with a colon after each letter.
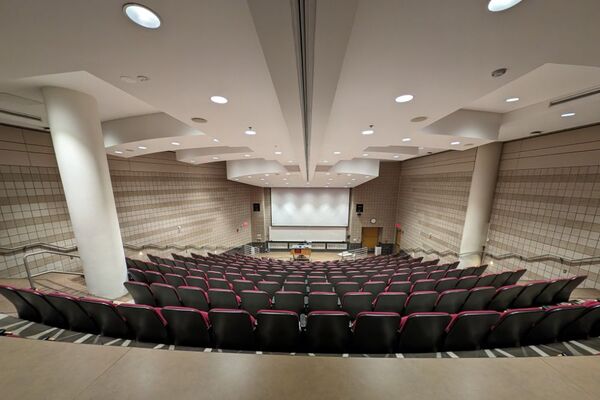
x: 479, y: 206
x: 79, y: 147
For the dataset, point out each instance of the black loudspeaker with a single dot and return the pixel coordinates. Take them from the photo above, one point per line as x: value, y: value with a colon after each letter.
x: 359, y: 208
x: 256, y: 207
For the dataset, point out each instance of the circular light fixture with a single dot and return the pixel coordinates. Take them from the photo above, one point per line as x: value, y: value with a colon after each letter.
x: 199, y: 120
x: 266, y: 174
x: 249, y: 176
x: 262, y: 179
x: 250, y: 131
x: 454, y: 143
x: 365, y: 155
x: 216, y: 140
x: 418, y: 119
x: 567, y: 114
x: 353, y: 179
x: 501, y: 5
x: 327, y: 173
x: 324, y: 161
x: 337, y: 152
x: 287, y: 173
x: 406, y: 139
x: 176, y: 143
x: 246, y: 155
x: 118, y: 152
x: 369, y: 131
x: 499, y: 72
x: 142, y: 15
x: 215, y: 158
x: 142, y: 147
x: 396, y: 156
x: 218, y: 99
x: 291, y: 161
x: 405, y: 98
x: 278, y: 153
x: 512, y: 99
x: 287, y: 183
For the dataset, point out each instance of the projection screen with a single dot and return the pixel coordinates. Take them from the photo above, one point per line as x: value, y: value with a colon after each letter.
x: 310, y: 207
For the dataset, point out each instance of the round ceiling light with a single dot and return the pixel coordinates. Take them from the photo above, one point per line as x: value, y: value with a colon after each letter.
x: 337, y: 152
x: 499, y: 72
x: 365, y: 155
x: 218, y: 99
x: 250, y: 131
x: 369, y: 131
x: 199, y: 120
x: 246, y: 155
x: 278, y: 153
x: 405, y: 98
x: 512, y: 99
x: 501, y: 5
x: 406, y: 139
x: 142, y: 147
x: 454, y: 143
x: 142, y: 15
x: 215, y: 158
x: 118, y: 152
x: 567, y: 114
x: 176, y: 143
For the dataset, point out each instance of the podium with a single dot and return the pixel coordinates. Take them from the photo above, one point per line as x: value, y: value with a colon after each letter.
x: 301, y: 252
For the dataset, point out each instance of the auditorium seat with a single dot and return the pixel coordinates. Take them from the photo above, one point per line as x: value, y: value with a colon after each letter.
x: 254, y: 300
x: 49, y: 314
x: 390, y: 302
x: 375, y: 332
x: 215, y: 274
x: 436, y: 275
x: 445, y: 284
x: 295, y: 286
x: 586, y: 325
x: 451, y: 301
x: 165, y: 295
x: 528, y: 294
x: 24, y: 309
x: 416, y: 276
x: 478, y: 271
x: 197, y: 273
x: 360, y: 279
x: 546, y: 296
x: 187, y: 326
x: 374, y: 287
x: 321, y: 287
x: 255, y: 278
x: 555, y: 319
x: 232, y: 329
x: 198, y: 282
x: 468, y: 271
x: 328, y: 332
x: 512, y: 326
x: 399, y: 286
x: 193, y: 297
x: 420, y: 302
x: 485, y: 280
x: 479, y: 298
x: 107, y: 318
x: 219, y: 283
x: 242, y: 284
x: 140, y: 292
x: 136, y: 275
x: 290, y: 301
x: 467, y: 329
x: 422, y: 332
x: 322, y: 301
x: 454, y: 273
x: 501, y: 279
x: 269, y: 286
x: 165, y: 269
x: 514, y: 277
x: 278, y: 330
x: 183, y: 272
x: 423, y: 285
x: 356, y: 302
x: 77, y: 318
x: 223, y: 298
x: 146, y: 323
x: 565, y: 293
x: 175, y: 280
x: 504, y: 297
x: 400, y: 277
x: 154, y: 277
x: 466, y: 282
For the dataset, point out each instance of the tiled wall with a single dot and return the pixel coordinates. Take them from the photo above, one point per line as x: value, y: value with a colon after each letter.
x: 159, y: 201
x: 432, y: 200
x: 547, y: 200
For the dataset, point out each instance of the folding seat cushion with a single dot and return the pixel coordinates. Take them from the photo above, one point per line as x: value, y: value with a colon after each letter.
x: 469, y: 271
x: 420, y: 302
x: 193, y: 297
x: 295, y: 286
x: 528, y: 294
x: 360, y: 279
x: 187, y: 326
x: 136, y: 275
x: 485, y: 280
x: 479, y: 298
x: 165, y: 295
x: 375, y: 332
x: 49, y: 314
x: 254, y: 300
x: 374, y: 287
x: 183, y: 272
x: 165, y: 269
x: 328, y: 332
x: 512, y: 326
x: 175, y: 279
x: 586, y: 325
x: 356, y: 302
x: 269, y: 286
x: 451, y: 301
x: 390, y: 302
x: 515, y: 276
x: 423, y: 285
x: 198, y: 282
x: 555, y: 319
x: 445, y: 284
x: 415, y: 276
x: 504, y: 297
x: 500, y: 279
x: 565, y: 293
x: 241, y: 284
x: 321, y: 287
x: 154, y: 277
x: 422, y: 332
x: 278, y: 330
x: 478, y: 271
x: 107, y: 318
x: 141, y: 293
x: 399, y: 286
x: 400, y: 277
x: 146, y: 323
x: 24, y: 309
x: 322, y: 301
x: 468, y: 329
x: 453, y: 273
x: 223, y: 298
x: 289, y: 301
x: 467, y: 282
x: 546, y: 296
x: 232, y: 329
x: 219, y: 283
x: 436, y: 275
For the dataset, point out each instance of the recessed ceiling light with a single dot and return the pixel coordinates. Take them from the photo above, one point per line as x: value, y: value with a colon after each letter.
x: 262, y: 179
x: 215, y: 158
x: 285, y: 179
x: 337, y: 152
x: 567, y: 114
x: 216, y: 140
x: 278, y: 153
x: 330, y: 179
x: 218, y: 99
x: 291, y: 161
x: 250, y: 177
x: 365, y: 155
x: 287, y: 173
x: 396, y: 156
x: 405, y: 98
x: 353, y: 179
x: 266, y: 174
x: 287, y: 183
x: 348, y: 174
x: 418, y: 119
x: 175, y: 143
x: 327, y: 173
x: 406, y: 139
x: 246, y: 155
x: 454, y: 143
x: 142, y: 147
x: 325, y: 161
x: 142, y: 15
x: 512, y: 99
x: 501, y: 5
x: 199, y: 120
x: 499, y: 72
x: 118, y: 152
x: 369, y: 131
x: 250, y: 131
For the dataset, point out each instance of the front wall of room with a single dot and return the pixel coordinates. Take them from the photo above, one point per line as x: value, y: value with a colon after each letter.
x: 154, y: 196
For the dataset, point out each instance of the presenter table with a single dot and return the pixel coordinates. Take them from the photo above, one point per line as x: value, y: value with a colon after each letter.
x: 301, y: 252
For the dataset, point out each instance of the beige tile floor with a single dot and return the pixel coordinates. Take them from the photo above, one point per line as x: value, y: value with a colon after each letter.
x: 37, y: 369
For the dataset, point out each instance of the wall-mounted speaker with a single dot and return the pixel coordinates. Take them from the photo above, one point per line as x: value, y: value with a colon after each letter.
x: 359, y: 208
x: 256, y: 207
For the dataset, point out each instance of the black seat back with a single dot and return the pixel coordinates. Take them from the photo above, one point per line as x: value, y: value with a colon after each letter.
x: 420, y: 302
x: 187, y: 326
x: 451, y: 301
x: 555, y: 319
x: 356, y: 302
x: 445, y: 284
x: 479, y: 298
x: 546, y: 296
x: 165, y: 295
x: 232, y: 329
x: 501, y: 279
x: 565, y: 293
x: 290, y: 301
x: 390, y: 302
x: 322, y: 301
x: 467, y: 329
x: 422, y: 332
x: 588, y: 324
x: 528, y: 294
x: 77, y: 318
x: 193, y: 297
x: 141, y: 293
x: 24, y: 309
x: 223, y: 298
x: 504, y: 297
x: 254, y: 300
x: 512, y: 326
x: 278, y: 330
x: 375, y: 332
x: 106, y: 317
x: 328, y: 332
x: 49, y: 314
x: 147, y: 324
x: 515, y: 276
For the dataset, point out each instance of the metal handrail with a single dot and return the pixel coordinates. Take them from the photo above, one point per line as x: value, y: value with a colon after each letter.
x: 36, y: 253
x: 355, y: 253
